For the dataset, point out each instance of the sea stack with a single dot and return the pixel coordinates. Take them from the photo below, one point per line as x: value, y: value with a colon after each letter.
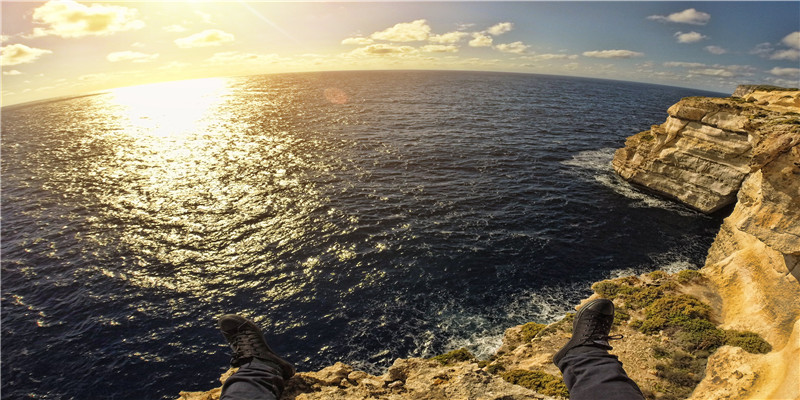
x: 707, y: 146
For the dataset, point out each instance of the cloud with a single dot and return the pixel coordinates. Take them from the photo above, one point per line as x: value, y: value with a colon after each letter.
x: 682, y: 64
x: 791, y: 72
x: 175, y: 28
x: 515, y: 47
x: 235, y: 57
x: 440, y: 48
x: 134, y: 56
x: 69, y: 19
x: 715, y: 50
x: 500, y: 28
x: 766, y: 50
x: 689, y: 37
x: 480, y: 40
x: 555, y: 57
x: 688, y: 16
x: 360, y: 41
x: 208, y: 37
x: 4, y: 38
x: 612, y: 54
x: 12, y: 72
x: 792, y: 40
x: 415, y: 31
x: 720, y: 72
x: 448, y: 38
x: 789, y: 55
x: 204, y: 16
x: 15, y: 54
x: 381, y: 49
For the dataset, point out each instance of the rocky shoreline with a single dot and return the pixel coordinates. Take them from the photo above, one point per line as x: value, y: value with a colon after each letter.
x: 734, y: 331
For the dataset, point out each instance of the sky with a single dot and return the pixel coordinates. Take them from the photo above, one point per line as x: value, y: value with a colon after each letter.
x: 64, y: 48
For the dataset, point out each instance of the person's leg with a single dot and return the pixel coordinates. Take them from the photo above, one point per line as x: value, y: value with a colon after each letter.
x: 590, y: 372
x: 262, y: 374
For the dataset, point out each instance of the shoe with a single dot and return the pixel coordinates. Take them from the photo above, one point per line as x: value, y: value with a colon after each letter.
x: 591, y: 327
x: 248, y: 342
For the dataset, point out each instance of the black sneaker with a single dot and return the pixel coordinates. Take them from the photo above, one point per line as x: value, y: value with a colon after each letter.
x: 591, y: 327
x: 247, y: 342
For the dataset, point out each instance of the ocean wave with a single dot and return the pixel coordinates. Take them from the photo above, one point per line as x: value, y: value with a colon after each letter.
x: 596, y: 165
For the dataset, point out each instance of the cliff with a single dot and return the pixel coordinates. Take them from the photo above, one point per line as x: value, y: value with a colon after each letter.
x: 742, y: 337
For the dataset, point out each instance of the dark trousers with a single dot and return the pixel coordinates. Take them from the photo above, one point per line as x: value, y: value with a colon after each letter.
x: 592, y: 373
x: 589, y: 372
x: 255, y: 380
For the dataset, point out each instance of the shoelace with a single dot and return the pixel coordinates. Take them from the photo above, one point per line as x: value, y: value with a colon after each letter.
x: 245, y: 343
x: 596, y: 326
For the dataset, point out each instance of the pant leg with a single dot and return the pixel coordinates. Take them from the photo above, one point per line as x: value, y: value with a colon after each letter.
x: 255, y: 380
x: 592, y: 373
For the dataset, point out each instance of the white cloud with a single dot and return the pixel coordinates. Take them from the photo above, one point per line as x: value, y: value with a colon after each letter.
x: 204, y: 16
x: 12, y: 72
x: 788, y: 54
x: 4, y: 38
x: 14, y: 54
x: 555, y: 57
x: 682, y: 64
x: 688, y: 16
x: 440, y: 48
x: 715, y: 50
x: 515, y: 47
x: 414, y: 31
x: 69, y: 19
x: 208, y: 37
x: 235, y: 57
x: 381, y: 49
x: 720, y: 72
x: 500, y: 28
x: 689, y: 37
x: 791, y: 72
x: 360, y: 41
x: 448, y: 38
x: 792, y: 40
x: 480, y: 40
x: 134, y: 56
x: 612, y: 54
x: 175, y: 28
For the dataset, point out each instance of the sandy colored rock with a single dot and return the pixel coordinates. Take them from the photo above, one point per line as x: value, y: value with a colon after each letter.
x: 703, y: 151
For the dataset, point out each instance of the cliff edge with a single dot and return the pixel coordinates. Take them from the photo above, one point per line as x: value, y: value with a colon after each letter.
x: 730, y: 330
x: 710, y: 153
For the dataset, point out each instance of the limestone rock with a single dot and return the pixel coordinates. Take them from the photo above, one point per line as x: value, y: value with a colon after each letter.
x: 703, y: 151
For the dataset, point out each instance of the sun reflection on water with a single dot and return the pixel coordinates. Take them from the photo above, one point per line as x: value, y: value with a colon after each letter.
x: 199, y: 186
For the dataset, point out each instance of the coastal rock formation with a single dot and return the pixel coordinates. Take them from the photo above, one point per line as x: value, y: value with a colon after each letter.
x: 707, y: 146
x: 754, y: 266
x: 708, y: 154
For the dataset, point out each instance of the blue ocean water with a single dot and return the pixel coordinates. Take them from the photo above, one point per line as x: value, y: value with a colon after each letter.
x: 357, y: 216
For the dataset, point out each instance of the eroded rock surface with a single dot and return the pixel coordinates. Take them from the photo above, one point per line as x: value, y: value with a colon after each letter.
x: 707, y: 146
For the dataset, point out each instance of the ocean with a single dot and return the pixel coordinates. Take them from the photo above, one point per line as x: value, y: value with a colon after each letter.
x: 356, y: 216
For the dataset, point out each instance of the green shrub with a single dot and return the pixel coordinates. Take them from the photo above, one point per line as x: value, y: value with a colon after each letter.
x: 530, y: 330
x: 455, y: 356
x: 495, y: 368
x: 538, y: 381
x: 687, y: 276
x: 606, y: 289
x: 621, y: 317
x: 749, y: 341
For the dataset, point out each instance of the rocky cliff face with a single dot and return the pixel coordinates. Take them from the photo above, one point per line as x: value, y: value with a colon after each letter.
x: 709, y: 153
x: 707, y: 146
